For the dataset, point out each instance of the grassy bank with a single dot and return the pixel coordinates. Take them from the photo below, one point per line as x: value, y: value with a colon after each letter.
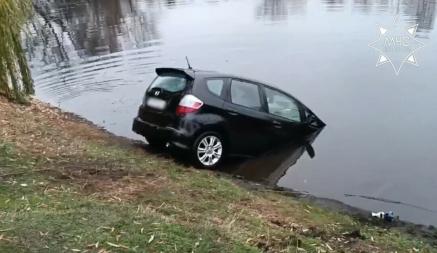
x: 66, y: 186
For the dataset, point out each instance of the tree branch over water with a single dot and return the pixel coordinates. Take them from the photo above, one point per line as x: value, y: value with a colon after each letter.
x: 15, y: 78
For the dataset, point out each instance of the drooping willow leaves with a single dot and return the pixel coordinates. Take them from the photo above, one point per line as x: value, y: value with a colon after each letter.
x: 15, y: 79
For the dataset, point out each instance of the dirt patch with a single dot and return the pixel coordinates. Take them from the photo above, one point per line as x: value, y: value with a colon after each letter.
x: 330, y: 233
x: 126, y: 188
x: 106, y: 181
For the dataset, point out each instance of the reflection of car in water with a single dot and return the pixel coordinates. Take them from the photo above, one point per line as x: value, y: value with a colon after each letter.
x: 269, y: 167
x: 213, y: 115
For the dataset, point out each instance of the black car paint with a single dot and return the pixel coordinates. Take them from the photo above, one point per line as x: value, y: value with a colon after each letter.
x: 249, y: 126
x: 246, y: 131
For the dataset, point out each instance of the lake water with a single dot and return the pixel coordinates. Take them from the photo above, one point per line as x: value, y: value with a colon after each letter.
x: 96, y: 57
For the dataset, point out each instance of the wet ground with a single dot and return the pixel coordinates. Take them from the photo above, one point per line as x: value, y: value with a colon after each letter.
x: 95, y: 58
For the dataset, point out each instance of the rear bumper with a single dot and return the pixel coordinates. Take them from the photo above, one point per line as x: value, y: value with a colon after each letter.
x: 148, y: 130
x: 172, y: 135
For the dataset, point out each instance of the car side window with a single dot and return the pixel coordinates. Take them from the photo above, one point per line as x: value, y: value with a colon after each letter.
x: 282, y: 105
x: 215, y: 86
x: 245, y: 94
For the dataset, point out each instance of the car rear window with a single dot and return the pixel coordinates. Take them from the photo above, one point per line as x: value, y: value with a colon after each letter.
x: 169, y: 83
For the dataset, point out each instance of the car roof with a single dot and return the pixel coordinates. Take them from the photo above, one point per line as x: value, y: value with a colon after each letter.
x: 201, y: 74
x: 197, y: 73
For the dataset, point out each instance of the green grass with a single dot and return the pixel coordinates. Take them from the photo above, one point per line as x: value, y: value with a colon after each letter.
x: 61, y: 221
x: 185, y: 210
x: 38, y: 215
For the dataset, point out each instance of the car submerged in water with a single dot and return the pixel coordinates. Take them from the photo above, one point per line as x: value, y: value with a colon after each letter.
x: 214, y: 115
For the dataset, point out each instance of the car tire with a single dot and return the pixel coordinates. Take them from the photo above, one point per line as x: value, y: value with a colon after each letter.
x: 156, y: 142
x: 208, y: 150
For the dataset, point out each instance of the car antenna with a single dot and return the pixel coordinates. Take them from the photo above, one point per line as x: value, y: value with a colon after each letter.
x: 188, y: 63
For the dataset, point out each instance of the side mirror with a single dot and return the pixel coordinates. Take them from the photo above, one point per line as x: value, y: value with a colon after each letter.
x: 310, y: 150
x: 311, y: 119
x: 314, y: 122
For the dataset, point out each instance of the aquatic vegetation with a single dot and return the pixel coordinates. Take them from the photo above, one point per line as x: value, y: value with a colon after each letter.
x: 15, y: 78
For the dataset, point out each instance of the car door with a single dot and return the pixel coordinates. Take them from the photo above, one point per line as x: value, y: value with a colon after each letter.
x: 247, y: 120
x: 286, y: 117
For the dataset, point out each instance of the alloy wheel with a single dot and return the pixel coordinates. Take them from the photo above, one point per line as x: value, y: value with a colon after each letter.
x: 209, y: 150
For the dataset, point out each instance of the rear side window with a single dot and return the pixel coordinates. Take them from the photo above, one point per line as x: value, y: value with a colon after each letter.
x: 169, y: 83
x: 245, y: 94
x: 215, y: 86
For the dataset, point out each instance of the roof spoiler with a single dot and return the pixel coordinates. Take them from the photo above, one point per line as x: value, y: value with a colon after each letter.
x: 189, y: 74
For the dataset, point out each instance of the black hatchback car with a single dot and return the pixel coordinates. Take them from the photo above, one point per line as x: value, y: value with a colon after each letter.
x: 214, y: 115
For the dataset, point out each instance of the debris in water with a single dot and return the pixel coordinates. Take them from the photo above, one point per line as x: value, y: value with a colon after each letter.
x: 388, y: 216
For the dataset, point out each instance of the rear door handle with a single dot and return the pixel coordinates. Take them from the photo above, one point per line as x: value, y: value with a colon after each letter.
x: 277, y: 124
x: 232, y: 113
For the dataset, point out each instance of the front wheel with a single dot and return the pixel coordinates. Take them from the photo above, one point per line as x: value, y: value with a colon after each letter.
x: 208, y: 150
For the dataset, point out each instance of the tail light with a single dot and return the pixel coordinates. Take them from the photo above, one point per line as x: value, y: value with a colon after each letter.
x: 188, y: 104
